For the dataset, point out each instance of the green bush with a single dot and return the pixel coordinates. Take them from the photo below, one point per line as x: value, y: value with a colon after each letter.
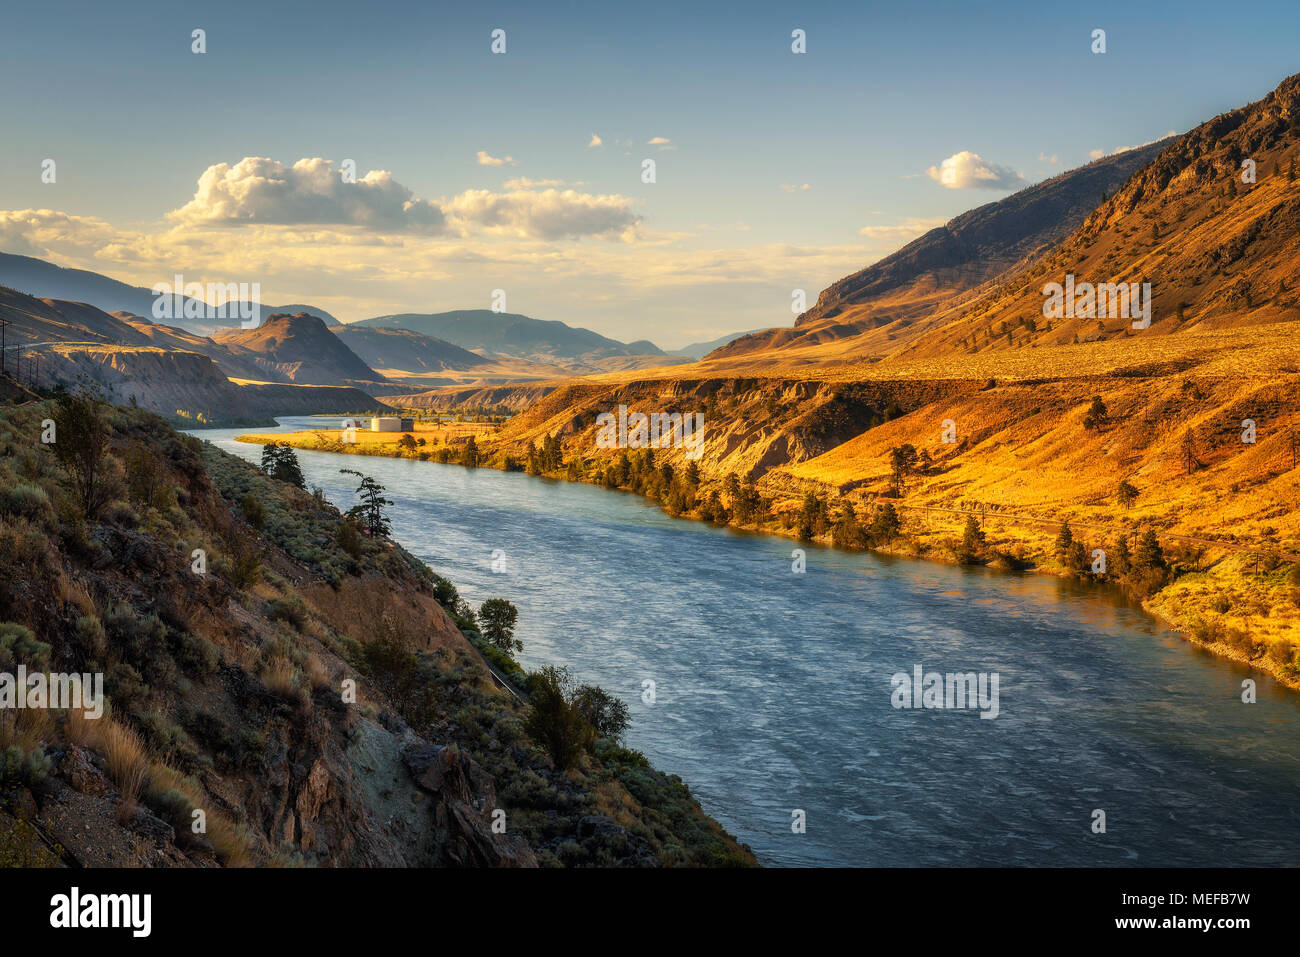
x: 554, y: 721
x: 27, y: 500
x: 19, y: 645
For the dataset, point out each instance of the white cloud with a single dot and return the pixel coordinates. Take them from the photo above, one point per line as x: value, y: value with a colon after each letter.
x: 549, y: 214
x: 790, y: 187
x: 523, y: 182
x: 909, y: 228
x: 1098, y: 154
x: 42, y: 232
x: 265, y: 192
x: 260, y: 190
x: 658, y: 141
x: 485, y: 159
x: 967, y: 170
x: 1053, y: 159
x: 653, y: 285
x: 595, y: 141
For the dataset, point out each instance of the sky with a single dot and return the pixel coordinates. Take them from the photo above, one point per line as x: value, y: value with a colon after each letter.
x: 523, y: 171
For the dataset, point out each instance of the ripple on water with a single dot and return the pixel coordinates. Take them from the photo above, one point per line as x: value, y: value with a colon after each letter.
x: 773, y: 690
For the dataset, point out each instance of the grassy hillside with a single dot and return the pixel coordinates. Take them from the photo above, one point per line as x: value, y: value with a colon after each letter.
x: 228, y: 684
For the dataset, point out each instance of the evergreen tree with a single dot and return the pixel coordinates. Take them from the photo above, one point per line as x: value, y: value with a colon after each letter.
x: 1148, y: 554
x: 886, y: 525
x: 1064, y: 539
x: 280, y: 462
x: 370, y: 512
x: 1097, y: 415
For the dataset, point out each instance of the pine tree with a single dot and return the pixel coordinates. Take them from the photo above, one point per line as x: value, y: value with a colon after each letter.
x: 1148, y: 554
x: 280, y: 462
x: 1064, y: 539
x: 370, y: 512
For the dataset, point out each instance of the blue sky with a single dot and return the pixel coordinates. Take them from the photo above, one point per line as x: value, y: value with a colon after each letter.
x: 885, y: 92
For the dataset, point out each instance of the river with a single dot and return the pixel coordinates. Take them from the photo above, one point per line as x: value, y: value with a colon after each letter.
x: 773, y: 692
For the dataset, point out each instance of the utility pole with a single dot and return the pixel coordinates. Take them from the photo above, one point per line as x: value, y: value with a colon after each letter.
x: 4, y: 324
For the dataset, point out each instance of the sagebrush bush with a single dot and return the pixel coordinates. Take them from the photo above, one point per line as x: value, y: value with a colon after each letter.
x: 27, y: 500
x: 19, y: 645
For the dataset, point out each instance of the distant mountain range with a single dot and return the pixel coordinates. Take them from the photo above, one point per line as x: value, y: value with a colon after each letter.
x: 517, y: 336
x: 258, y: 374
x: 544, y: 347
x: 698, y: 350
x: 406, y: 350
x: 44, y: 280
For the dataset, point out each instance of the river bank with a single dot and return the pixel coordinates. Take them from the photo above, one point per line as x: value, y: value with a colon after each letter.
x: 1194, y: 600
x: 773, y: 692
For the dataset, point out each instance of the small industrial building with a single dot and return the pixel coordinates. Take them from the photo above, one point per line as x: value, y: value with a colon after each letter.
x: 391, y: 423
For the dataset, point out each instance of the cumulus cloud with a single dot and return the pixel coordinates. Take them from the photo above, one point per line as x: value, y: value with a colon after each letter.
x: 1098, y: 154
x: 595, y: 141
x: 1053, y: 159
x: 485, y: 159
x: 967, y: 170
x: 658, y: 141
x: 649, y: 284
x: 523, y: 182
x: 260, y: 190
x: 909, y: 228
x: 548, y: 214
x: 45, y: 232
x: 263, y: 192
x: 791, y: 187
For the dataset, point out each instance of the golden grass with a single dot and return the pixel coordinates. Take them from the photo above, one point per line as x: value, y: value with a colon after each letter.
x: 28, y: 728
x: 280, y: 675
x: 125, y: 758
x: 317, y: 674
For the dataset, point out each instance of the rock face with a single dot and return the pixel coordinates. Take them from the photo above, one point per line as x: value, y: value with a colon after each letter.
x: 751, y: 425
x: 170, y: 381
x: 461, y: 810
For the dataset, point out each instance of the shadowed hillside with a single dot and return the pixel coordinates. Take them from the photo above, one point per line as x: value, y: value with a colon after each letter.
x: 320, y: 694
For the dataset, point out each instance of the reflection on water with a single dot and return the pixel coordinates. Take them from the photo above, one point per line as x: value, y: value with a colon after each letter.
x: 773, y: 689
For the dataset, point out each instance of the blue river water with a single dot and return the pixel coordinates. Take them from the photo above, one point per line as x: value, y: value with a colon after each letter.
x: 773, y: 690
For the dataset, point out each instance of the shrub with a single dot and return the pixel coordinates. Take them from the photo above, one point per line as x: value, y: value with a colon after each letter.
x: 195, y: 655
x: 553, y: 721
x: 19, y: 645
x: 81, y: 446
x: 27, y: 500
x: 291, y: 611
x: 88, y: 642
x: 349, y: 539
x: 607, y: 714
x: 254, y: 511
x: 245, y: 565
